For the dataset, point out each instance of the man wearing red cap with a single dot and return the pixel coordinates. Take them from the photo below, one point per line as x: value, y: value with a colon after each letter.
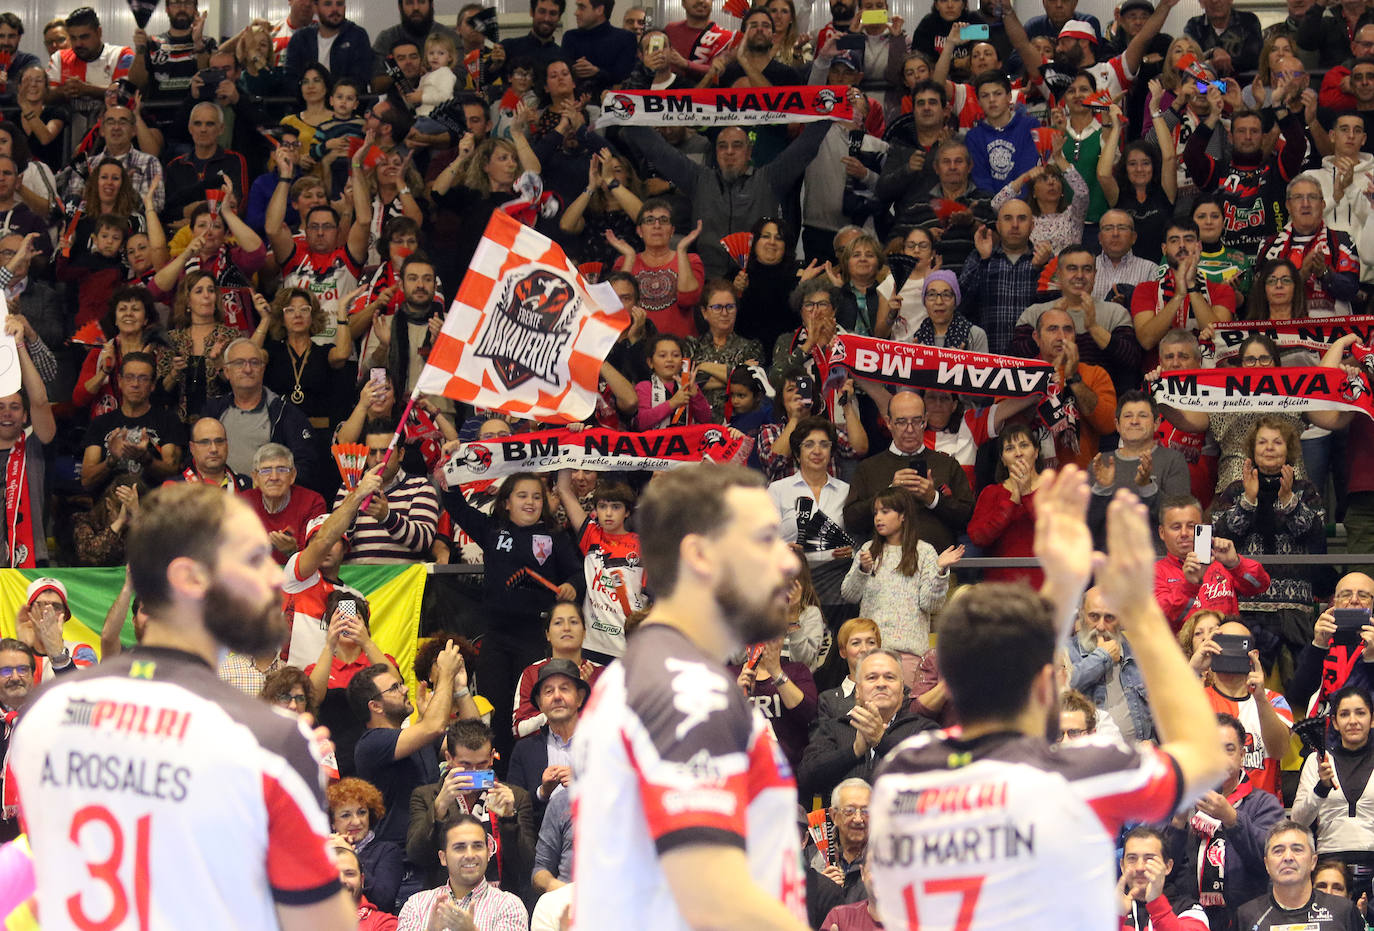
x: 38, y: 623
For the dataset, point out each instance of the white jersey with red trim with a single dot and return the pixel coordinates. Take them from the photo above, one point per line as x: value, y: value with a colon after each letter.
x: 1008, y: 831
x: 156, y: 796
x: 1112, y: 75
x: 668, y: 753
x: 330, y: 276
x: 110, y: 65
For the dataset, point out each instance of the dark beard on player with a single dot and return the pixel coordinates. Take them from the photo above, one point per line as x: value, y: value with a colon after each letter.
x: 241, y: 626
x: 752, y: 621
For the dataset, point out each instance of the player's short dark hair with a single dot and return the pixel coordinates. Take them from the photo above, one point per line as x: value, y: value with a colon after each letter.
x: 471, y: 734
x: 690, y: 500
x: 183, y: 519
x: 994, y: 641
x: 362, y: 690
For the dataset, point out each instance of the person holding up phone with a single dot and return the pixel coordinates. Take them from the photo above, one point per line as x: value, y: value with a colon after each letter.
x: 1238, y: 689
x: 1184, y: 582
x: 1342, y: 645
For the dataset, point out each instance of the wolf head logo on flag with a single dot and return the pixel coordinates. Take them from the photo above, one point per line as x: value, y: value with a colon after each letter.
x: 527, y: 331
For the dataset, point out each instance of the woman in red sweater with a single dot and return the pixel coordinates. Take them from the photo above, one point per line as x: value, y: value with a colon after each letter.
x: 1003, y: 521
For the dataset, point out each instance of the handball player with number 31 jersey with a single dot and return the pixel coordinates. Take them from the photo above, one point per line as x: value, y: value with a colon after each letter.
x: 990, y: 825
x: 156, y: 796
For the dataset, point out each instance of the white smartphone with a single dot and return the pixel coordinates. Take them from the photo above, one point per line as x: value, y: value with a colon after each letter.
x: 1202, y: 543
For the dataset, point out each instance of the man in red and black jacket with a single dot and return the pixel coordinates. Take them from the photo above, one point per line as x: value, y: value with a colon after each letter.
x: 1251, y: 184
x: 1183, y: 584
x: 1145, y: 907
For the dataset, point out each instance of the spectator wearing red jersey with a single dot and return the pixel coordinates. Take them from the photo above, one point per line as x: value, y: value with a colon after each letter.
x: 351, y: 875
x: 1183, y: 584
x: 611, y: 561
x: 284, y: 508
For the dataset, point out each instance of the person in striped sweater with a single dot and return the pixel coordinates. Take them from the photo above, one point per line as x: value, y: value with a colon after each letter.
x: 398, y: 525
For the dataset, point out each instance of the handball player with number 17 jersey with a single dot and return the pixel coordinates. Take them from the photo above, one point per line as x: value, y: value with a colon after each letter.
x: 156, y: 796
x: 684, y: 807
x: 990, y: 826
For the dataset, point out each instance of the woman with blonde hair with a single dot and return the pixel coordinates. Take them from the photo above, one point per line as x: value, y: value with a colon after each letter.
x: 478, y: 182
x: 862, y: 265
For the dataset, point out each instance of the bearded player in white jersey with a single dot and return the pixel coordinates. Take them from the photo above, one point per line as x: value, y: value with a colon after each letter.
x: 993, y: 826
x: 157, y: 796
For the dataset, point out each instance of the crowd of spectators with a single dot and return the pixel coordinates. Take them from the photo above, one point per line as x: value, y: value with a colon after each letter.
x: 224, y: 255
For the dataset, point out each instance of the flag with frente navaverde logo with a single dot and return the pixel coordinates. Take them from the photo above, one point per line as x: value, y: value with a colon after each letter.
x: 526, y: 334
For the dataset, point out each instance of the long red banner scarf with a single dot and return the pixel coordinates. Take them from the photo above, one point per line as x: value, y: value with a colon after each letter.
x: 934, y: 367
x: 725, y: 106
x: 1314, y: 333
x: 18, y: 518
x: 595, y: 450
x: 1211, y: 859
x: 1289, y: 389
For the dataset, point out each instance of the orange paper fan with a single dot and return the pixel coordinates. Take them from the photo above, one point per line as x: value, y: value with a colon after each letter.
x: 736, y: 8
x: 351, y: 459
x: 89, y: 335
x: 738, y: 245
x: 592, y: 271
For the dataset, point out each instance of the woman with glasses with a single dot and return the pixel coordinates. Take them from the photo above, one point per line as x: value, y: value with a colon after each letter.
x: 943, y: 326
x: 720, y: 349
x: 815, y: 300
x: 1003, y: 521
x: 298, y: 369
x: 355, y: 808
x: 670, y: 277
x: 906, y: 309
x: 289, y: 687
x: 190, y: 371
x: 1269, y: 510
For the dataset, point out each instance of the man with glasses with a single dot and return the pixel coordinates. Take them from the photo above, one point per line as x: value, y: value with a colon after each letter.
x: 1339, y: 90
x: 395, y: 760
x: 319, y: 261
x: 1183, y: 298
x: 254, y: 415
x: 164, y: 64
x: 17, y: 663
x: 209, y: 454
x: 1119, y: 269
x: 136, y: 438
x: 1324, y: 257
x: 936, y: 479
x: 284, y: 509
x: 834, y: 879
x: 143, y: 168
x: 1330, y: 662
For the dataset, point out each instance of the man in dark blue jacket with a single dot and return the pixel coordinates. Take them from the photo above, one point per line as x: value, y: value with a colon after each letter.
x: 348, y: 50
x: 1218, y: 845
x: 541, y: 762
x: 601, y: 54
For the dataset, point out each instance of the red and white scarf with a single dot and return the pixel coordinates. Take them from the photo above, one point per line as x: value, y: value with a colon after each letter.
x: 18, y: 515
x: 229, y: 482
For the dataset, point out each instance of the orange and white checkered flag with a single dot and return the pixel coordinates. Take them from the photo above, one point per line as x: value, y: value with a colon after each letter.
x: 526, y: 334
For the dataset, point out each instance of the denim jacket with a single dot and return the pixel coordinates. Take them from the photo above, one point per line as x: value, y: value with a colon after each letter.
x: 1090, y: 670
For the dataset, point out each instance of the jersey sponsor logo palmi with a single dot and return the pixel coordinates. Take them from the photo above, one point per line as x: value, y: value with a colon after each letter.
x: 122, y: 717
